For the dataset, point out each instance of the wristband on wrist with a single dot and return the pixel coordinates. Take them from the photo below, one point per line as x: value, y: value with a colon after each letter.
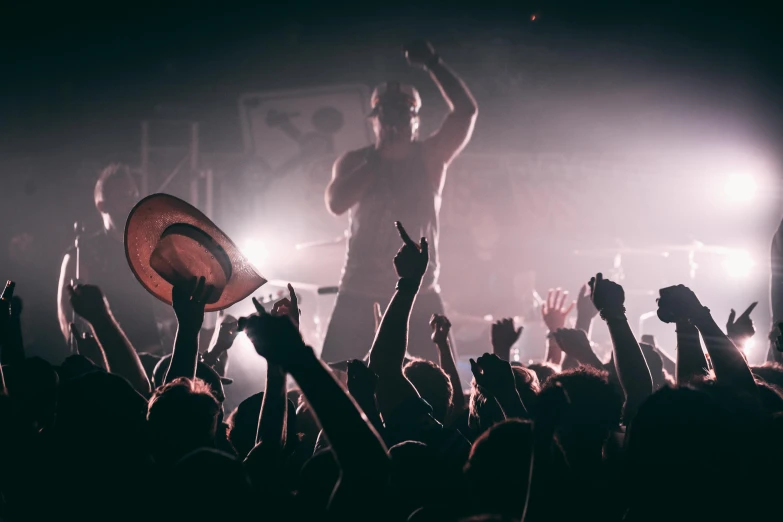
x: 614, y: 314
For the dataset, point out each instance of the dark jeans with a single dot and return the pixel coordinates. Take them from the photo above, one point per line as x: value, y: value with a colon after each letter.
x: 352, y: 327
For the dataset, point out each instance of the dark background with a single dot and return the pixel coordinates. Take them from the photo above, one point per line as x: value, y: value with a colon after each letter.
x: 76, y: 79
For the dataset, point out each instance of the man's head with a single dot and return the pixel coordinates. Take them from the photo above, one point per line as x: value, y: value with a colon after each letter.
x: 115, y: 195
x: 182, y: 417
x: 433, y: 385
x: 586, y: 405
x: 395, y: 112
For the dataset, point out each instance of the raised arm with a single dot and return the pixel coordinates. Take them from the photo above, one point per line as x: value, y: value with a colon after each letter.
x: 64, y: 310
x: 11, y: 345
x: 273, y: 418
x: 496, y: 378
x: 440, y: 336
x: 5, y: 326
x: 609, y: 299
x: 188, y: 301
x: 456, y: 130
x: 554, y: 312
x: 121, y: 358
x: 352, y: 175
x: 357, y: 447
x: 727, y: 360
x: 690, y: 357
x: 391, y: 341
x: 576, y: 345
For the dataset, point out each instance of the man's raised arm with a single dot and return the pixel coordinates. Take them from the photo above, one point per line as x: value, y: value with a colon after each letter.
x: 456, y: 130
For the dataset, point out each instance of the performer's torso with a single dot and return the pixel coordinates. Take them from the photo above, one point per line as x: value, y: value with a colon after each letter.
x: 402, y: 190
x: 103, y: 263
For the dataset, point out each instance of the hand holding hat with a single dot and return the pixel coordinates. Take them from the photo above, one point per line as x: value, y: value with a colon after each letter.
x: 169, y: 242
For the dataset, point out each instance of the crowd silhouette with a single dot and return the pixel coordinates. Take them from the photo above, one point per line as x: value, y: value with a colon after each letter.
x: 106, y: 435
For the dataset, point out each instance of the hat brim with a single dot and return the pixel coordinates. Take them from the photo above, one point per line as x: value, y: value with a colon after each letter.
x: 146, y: 223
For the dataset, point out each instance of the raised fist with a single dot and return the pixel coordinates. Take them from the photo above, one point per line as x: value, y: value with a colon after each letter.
x: 419, y: 53
x: 493, y: 374
x: 88, y: 302
x: 607, y: 296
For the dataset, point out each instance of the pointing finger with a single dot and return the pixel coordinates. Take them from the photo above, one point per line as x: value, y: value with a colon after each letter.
x: 747, y: 312
x: 404, y: 235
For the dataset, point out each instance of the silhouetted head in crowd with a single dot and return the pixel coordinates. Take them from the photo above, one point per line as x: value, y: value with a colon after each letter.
x: 592, y: 410
x: 682, y: 445
x: 182, y: 417
x: 116, y: 194
x: 33, y: 384
x: 542, y: 370
x: 771, y: 372
x: 99, y: 410
x: 210, y: 472
x: 204, y: 372
x: 418, y: 478
x: 499, y: 466
x: 484, y: 410
x: 317, y: 480
x: 771, y: 396
x: 433, y: 385
x: 243, y: 424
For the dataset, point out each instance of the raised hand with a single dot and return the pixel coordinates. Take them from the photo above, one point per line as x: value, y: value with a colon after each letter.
x: 608, y: 297
x: 440, y: 329
x: 678, y: 304
x: 585, y: 309
x: 275, y: 338
x: 89, y: 302
x: 574, y: 342
x: 493, y: 374
x: 503, y: 336
x: 188, y: 300
x: 412, y: 259
x: 288, y: 306
x: 554, y: 311
x: 419, y: 53
x: 741, y: 329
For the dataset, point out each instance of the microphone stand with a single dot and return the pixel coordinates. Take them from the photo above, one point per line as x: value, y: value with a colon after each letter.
x: 77, y: 230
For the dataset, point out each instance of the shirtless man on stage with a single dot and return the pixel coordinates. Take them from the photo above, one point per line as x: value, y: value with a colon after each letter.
x: 400, y: 178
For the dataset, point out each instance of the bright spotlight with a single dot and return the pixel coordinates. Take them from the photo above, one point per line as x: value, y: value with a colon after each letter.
x: 738, y: 264
x: 748, y: 346
x: 255, y: 251
x: 740, y: 188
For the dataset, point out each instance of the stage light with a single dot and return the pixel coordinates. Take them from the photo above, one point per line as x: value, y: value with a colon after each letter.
x: 740, y: 188
x: 738, y: 264
x: 255, y: 251
x: 748, y: 346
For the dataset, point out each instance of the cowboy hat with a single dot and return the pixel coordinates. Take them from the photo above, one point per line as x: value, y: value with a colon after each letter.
x: 169, y: 241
